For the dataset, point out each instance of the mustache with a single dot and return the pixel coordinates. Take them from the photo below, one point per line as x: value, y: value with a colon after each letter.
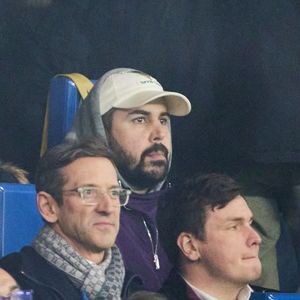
x: 156, y: 148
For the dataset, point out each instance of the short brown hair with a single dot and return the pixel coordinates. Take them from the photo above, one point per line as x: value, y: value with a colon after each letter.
x: 186, y: 205
x: 49, y: 177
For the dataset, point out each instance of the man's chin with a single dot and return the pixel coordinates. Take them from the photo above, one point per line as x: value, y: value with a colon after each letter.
x: 156, y: 172
x: 145, y: 175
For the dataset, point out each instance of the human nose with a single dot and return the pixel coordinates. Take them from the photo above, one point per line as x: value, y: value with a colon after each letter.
x: 158, y: 132
x: 105, y: 203
x: 253, y: 237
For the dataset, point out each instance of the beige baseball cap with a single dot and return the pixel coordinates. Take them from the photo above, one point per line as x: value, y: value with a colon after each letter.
x: 132, y: 88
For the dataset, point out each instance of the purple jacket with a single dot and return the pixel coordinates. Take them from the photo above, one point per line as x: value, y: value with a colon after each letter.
x: 134, y: 242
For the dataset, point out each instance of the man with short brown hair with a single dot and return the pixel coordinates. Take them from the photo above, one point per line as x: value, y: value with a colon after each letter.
x: 74, y: 254
x: 207, y: 233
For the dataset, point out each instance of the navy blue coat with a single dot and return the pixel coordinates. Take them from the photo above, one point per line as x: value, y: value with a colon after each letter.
x: 175, y: 288
x: 32, y: 271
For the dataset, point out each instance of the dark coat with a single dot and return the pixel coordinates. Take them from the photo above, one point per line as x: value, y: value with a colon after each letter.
x: 175, y: 288
x: 32, y: 271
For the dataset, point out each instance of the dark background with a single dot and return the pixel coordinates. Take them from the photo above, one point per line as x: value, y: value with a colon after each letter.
x: 237, y: 61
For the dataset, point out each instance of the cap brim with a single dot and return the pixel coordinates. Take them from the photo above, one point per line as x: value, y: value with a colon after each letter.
x: 177, y: 104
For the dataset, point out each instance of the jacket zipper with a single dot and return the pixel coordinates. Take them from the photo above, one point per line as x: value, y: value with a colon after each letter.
x: 42, y: 284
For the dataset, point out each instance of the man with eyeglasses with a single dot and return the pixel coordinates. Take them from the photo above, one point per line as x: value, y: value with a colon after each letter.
x: 131, y: 111
x: 74, y: 256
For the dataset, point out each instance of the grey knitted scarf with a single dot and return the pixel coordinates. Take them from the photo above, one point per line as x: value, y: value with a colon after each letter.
x: 100, y: 282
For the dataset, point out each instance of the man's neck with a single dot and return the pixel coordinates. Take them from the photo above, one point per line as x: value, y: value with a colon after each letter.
x: 96, y: 258
x: 139, y: 192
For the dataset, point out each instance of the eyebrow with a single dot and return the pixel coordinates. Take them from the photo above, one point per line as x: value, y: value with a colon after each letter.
x: 113, y: 186
x: 238, y: 219
x: 147, y: 113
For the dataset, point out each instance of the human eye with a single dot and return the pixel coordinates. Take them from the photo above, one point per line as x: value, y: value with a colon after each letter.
x: 139, y: 120
x: 232, y: 227
x: 164, y: 120
x: 114, y: 193
x: 89, y: 192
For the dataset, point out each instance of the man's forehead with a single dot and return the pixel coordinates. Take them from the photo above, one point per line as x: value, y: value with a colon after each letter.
x: 85, y: 168
x: 236, y: 209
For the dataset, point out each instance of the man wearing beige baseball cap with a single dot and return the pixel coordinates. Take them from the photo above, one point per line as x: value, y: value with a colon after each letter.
x: 131, y: 111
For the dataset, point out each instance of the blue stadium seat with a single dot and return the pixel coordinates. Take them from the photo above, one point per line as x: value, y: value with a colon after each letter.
x: 20, y: 220
x: 63, y: 103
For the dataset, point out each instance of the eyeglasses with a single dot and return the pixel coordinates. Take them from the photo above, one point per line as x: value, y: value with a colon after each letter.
x: 90, y: 195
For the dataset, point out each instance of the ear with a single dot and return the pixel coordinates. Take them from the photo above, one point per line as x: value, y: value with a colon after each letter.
x: 47, y: 206
x: 188, y: 246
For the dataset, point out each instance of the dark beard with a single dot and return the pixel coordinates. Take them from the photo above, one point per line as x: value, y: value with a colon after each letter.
x: 136, y: 176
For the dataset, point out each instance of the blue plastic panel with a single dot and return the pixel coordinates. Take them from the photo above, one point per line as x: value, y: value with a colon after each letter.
x: 273, y: 296
x: 64, y: 100
x: 20, y: 220
x: 63, y: 104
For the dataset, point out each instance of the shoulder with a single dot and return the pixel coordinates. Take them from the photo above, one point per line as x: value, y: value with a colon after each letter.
x: 16, y: 262
x: 132, y: 283
x: 174, y: 287
x: 12, y: 262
